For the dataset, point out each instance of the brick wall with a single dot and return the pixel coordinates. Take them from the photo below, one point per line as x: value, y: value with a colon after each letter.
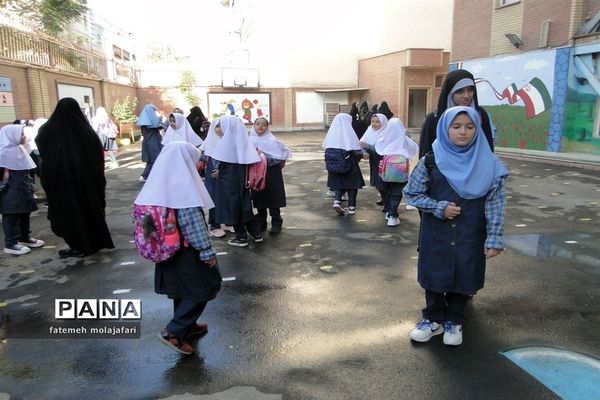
x: 537, y: 11
x: 35, y: 90
x: 471, y: 29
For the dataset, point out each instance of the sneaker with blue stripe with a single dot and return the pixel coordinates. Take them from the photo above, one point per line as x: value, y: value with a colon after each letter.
x: 425, y: 330
x: 452, y: 334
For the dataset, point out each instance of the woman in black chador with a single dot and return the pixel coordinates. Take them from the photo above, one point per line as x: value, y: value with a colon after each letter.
x: 72, y: 175
x: 458, y: 90
x: 385, y: 110
x: 150, y: 126
x: 356, y: 124
x: 197, y: 120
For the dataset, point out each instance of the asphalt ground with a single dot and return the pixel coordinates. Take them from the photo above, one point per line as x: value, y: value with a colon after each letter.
x: 322, y: 310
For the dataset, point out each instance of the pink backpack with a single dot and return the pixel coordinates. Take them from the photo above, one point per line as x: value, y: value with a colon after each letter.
x: 394, y: 168
x: 156, y: 235
x: 257, y: 174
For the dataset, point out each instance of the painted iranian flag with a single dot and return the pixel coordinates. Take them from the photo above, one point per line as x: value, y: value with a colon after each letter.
x: 536, y: 97
x: 510, y: 94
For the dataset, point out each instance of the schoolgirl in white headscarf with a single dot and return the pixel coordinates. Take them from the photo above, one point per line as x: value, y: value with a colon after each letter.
x: 234, y: 153
x: 211, y: 172
x: 394, y: 142
x: 378, y: 124
x: 16, y: 193
x: 107, y: 131
x: 182, y: 132
x: 341, y: 135
x: 273, y: 196
x: 191, y: 276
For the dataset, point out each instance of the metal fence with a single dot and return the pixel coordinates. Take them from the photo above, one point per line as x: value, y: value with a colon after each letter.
x: 29, y: 48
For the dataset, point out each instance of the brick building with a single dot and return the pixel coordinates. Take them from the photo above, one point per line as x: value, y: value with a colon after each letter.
x: 537, y: 70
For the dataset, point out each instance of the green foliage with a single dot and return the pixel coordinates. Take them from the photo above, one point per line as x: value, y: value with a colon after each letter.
x: 124, y: 111
x: 53, y: 16
x: 186, y: 86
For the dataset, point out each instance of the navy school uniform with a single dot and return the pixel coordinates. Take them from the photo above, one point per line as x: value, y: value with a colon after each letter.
x: 15, y: 205
x: 273, y: 195
x: 353, y: 179
x: 451, y: 251
x: 231, y: 195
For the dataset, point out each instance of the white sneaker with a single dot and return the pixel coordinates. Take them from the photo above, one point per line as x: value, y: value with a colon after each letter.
x: 17, y: 249
x: 338, y: 208
x: 409, y: 207
x: 33, y: 242
x: 229, y: 228
x: 217, y: 232
x: 142, y: 179
x: 393, y: 221
x: 425, y: 330
x: 351, y: 210
x: 452, y: 334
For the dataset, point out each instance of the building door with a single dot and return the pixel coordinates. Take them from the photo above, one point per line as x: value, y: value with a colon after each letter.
x: 417, y: 107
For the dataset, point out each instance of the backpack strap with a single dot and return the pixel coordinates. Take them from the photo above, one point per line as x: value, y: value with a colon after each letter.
x: 429, y: 161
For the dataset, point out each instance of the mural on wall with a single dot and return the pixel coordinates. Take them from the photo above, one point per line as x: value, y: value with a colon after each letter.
x: 7, y: 105
x: 581, y: 131
x: 246, y: 106
x: 517, y: 91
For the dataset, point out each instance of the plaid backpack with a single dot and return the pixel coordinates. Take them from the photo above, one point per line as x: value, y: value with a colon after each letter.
x: 156, y: 235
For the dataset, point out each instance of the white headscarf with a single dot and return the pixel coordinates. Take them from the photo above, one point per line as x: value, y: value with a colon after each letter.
x: 235, y: 147
x: 13, y: 155
x: 341, y: 135
x: 31, y: 133
x: 212, y: 139
x: 270, y: 145
x: 174, y: 181
x: 394, y: 141
x: 182, y: 133
x: 371, y: 135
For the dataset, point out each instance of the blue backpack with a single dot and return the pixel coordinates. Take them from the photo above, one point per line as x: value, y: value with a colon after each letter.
x: 337, y: 161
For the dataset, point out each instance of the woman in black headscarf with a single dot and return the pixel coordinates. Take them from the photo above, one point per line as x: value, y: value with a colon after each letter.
x: 72, y: 175
x: 458, y: 90
x: 356, y: 124
x: 196, y: 120
x: 385, y: 110
x: 364, y: 116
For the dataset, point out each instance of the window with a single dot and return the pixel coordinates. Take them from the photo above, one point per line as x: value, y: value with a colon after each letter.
x: 439, y: 81
x: 507, y: 2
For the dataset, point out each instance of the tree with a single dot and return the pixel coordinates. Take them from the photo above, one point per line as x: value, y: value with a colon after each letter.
x: 124, y: 112
x: 51, y: 16
x: 186, y: 86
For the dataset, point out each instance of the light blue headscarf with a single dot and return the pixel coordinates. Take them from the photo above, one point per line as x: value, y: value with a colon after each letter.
x: 469, y: 169
x: 148, y: 117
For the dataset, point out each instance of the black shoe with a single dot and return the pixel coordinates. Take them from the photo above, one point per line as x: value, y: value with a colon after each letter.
x: 379, y: 202
x: 275, y: 229
x: 257, y: 237
x: 70, y: 253
x: 241, y: 242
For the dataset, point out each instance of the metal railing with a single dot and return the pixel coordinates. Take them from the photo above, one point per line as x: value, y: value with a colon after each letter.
x: 36, y: 49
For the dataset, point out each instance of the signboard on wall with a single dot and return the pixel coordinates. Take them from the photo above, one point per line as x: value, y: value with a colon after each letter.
x: 246, y: 106
x: 7, y: 105
x: 83, y: 94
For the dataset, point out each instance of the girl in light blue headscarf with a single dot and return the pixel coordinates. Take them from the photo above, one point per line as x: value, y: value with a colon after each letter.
x: 150, y: 125
x: 459, y: 189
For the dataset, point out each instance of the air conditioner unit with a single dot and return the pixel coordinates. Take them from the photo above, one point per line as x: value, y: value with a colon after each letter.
x: 544, y: 31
